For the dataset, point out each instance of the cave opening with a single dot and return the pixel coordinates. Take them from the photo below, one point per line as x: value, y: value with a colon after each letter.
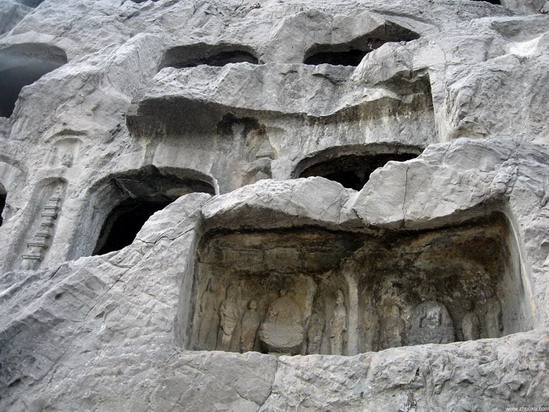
x: 206, y: 54
x: 22, y: 65
x: 352, y: 52
x: 234, y: 56
x: 31, y: 3
x: 497, y: 2
x: 134, y: 196
x: 3, y: 196
x: 351, y: 57
x: 353, y: 170
x: 124, y: 222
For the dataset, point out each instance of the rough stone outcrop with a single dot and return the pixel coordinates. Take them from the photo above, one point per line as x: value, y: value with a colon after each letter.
x: 242, y: 158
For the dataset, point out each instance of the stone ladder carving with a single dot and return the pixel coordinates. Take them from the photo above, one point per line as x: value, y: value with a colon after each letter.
x: 40, y: 242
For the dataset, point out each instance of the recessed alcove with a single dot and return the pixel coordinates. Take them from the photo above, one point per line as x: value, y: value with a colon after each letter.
x: 22, y: 65
x: 352, y: 166
x: 122, y: 203
x: 212, y: 55
x: 310, y: 290
x: 351, y: 53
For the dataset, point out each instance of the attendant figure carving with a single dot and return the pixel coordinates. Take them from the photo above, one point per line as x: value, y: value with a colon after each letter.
x: 470, y: 325
x: 315, y: 333
x: 208, y: 315
x: 338, y: 325
x: 494, y: 323
x: 229, y: 316
x: 250, y: 325
x: 392, y: 328
x: 371, y: 328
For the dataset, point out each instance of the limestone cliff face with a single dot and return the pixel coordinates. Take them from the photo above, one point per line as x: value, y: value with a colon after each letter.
x: 227, y: 205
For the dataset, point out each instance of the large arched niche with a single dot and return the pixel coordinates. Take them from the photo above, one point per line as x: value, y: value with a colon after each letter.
x: 352, y: 165
x: 121, y: 203
x: 22, y: 65
x: 289, y: 290
x: 208, y: 54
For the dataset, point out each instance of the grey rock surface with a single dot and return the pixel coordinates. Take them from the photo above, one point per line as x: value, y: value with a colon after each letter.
x: 450, y: 107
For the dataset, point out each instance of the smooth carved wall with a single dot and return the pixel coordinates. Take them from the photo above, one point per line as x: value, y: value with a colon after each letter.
x: 305, y: 291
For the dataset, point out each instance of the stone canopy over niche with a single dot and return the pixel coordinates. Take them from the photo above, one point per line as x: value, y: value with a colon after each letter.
x: 352, y: 53
x: 309, y: 290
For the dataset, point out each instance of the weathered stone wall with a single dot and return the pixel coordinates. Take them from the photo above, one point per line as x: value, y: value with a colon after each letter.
x: 220, y: 106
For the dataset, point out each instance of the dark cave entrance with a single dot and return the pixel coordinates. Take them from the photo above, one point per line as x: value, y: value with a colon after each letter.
x: 351, y: 53
x: 212, y: 55
x: 235, y: 56
x: 133, y: 197
x: 31, y: 3
x: 3, y: 196
x: 353, y: 170
x: 497, y: 2
x: 22, y: 65
x: 124, y: 222
x: 337, y: 58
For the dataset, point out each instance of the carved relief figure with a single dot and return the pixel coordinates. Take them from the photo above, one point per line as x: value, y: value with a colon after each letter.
x: 392, y: 328
x: 282, y: 330
x: 207, y: 314
x: 371, y: 328
x: 65, y: 152
x: 470, y: 325
x: 338, y: 325
x: 250, y: 325
x: 431, y: 323
x: 67, y: 159
x: 493, y: 318
x: 315, y: 333
x: 228, y: 319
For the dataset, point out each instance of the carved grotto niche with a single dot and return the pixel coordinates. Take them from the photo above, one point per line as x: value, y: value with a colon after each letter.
x: 309, y: 290
x: 23, y: 64
x: 351, y: 166
x: 208, y: 54
x: 117, y: 205
x: 31, y: 3
x: 351, y: 53
x: 129, y: 199
x: 65, y: 152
